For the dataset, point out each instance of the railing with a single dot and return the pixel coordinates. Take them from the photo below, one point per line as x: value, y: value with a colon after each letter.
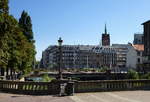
x: 34, y: 88
x: 47, y: 88
x: 111, y: 85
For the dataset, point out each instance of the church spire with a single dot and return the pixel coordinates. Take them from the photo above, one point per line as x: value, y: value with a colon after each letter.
x: 105, y: 29
x: 105, y: 37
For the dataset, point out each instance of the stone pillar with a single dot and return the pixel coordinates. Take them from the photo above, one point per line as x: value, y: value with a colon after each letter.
x: 70, y: 88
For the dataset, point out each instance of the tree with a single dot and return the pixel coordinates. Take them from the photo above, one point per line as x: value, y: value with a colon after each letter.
x: 14, y: 47
x: 4, y: 55
x: 5, y: 30
x: 17, y: 50
x: 26, y: 25
x: 10, y: 42
x: 4, y: 6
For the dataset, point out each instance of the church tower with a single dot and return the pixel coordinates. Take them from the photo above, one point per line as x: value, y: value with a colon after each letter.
x: 105, y: 38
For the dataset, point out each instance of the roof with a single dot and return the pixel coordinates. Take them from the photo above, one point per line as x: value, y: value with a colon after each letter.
x: 121, y: 46
x: 146, y: 22
x: 139, y: 47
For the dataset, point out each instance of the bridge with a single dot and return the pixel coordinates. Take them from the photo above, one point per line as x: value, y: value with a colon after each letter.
x: 87, y: 75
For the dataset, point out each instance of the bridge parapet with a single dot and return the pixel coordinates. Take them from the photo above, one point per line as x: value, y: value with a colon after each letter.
x: 111, y: 85
x: 51, y: 88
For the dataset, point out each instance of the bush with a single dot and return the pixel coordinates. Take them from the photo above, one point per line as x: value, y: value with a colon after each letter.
x: 146, y: 76
x: 103, y: 69
x: 132, y: 74
x: 46, y: 78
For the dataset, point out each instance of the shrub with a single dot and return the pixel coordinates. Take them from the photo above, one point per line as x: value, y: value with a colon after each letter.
x: 46, y: 78
x: 103, y: 69
x: 132, y: 74
x: 146, y: 76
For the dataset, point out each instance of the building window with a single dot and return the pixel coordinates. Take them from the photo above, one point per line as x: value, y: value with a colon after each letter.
x: 138, y: 53
x: 138, y: 60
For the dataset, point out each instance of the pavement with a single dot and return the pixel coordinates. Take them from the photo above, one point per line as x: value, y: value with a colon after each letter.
x: 122, y: 96
x: 5, y: 97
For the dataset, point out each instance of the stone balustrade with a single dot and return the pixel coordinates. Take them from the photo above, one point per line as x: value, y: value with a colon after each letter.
x: 37, y: 88
x: 111, y: 85
x: 49, y: 88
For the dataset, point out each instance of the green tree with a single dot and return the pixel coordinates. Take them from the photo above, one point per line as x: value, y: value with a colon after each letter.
x: 26, y: 25
x: 4, y: 34
x: 17, y: 51
x: 4, y: 37
x: 4, y: 6
x: 11, y: 46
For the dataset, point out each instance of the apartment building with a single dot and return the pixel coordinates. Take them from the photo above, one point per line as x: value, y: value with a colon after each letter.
x: 126, y: 55
x: 80, y: 56
x: 138, y: 38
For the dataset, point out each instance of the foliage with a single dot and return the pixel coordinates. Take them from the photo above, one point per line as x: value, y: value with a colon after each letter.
x: 146, y: 76
x: 46, y: 78
x: 103, y: 69
x: 84, y: 69
x: 37, y: 63
x: 40, y: 70
x: 2, y: 78
x: 16, y: 51
x: 132, y: 74
x: 4, y: 6
x: 26, y: 25
x: 8, y: 40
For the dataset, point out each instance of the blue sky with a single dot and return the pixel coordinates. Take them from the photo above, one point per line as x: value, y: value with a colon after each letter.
x: 82, y: 21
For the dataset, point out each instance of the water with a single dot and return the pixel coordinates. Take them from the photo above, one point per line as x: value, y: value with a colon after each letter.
x: 36, y: 79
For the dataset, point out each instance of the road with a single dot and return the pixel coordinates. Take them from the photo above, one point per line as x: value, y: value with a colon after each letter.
x: 123, y: 96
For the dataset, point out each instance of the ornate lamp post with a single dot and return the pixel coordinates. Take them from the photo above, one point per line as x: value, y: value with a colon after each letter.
x: 60, y: 57
x: 66, y: 87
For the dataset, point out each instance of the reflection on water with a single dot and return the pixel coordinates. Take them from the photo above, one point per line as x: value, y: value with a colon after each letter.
x: 36, y: 79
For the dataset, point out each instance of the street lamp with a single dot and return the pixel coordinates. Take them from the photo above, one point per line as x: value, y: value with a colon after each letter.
x: 60, y: 57
x: 65, y: 87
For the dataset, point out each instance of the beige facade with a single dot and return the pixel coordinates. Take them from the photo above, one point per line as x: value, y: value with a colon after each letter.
x: 80, y: 56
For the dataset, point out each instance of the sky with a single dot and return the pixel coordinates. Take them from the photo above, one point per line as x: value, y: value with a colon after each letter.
x: 82, y: 21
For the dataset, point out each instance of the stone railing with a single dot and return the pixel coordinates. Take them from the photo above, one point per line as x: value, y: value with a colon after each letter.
x: 111, y: 85
x: 37, y: 88
x: 49, y: 88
